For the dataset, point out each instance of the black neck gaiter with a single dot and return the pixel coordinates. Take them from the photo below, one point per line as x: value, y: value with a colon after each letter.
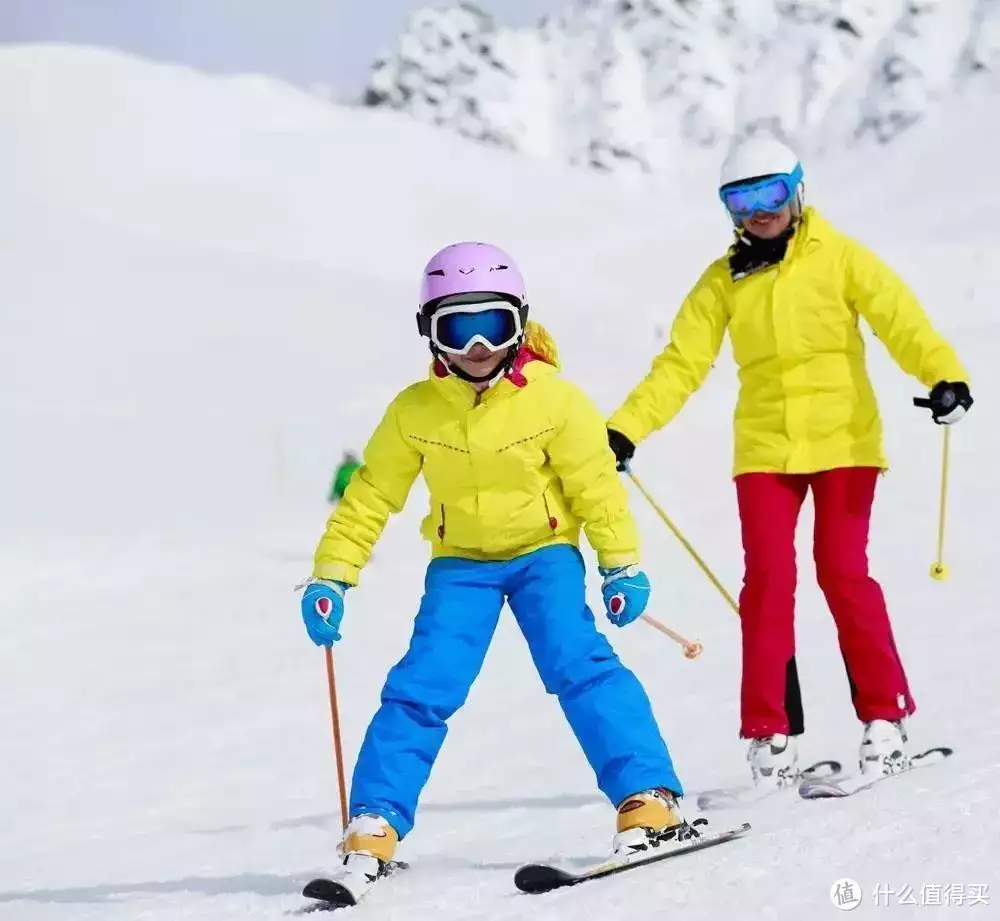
x: 750, y: 254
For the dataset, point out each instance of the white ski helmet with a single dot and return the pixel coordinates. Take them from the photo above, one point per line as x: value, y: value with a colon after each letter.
x: 758, y: 156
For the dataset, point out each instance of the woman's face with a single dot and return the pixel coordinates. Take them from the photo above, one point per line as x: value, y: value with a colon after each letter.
x: 767, y: 225
x: 480, y: 362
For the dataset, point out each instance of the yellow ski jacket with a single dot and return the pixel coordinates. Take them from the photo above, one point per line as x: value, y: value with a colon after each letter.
x: 524, y: 465
x: 806, y: 402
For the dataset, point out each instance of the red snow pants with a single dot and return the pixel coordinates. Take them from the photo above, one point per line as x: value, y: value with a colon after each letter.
x: 769, y: 505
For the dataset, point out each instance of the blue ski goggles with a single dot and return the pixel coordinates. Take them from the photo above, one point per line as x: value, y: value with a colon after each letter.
x: 771, y: 193
x: 455, y: 329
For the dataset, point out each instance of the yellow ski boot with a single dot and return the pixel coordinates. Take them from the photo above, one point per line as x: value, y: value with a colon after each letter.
x: 369, y: 836
x: 649, y: 818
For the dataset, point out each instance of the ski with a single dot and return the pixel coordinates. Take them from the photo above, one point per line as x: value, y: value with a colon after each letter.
x: 537, y: 878
x: 347, y: 887
x: 830, y: 788
x: 747, y: 795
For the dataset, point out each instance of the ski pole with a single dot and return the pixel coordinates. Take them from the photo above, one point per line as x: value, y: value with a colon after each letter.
x: 938, y: 569
x: 685, y: 543
x: 691, y: 650
x: 338, y: 750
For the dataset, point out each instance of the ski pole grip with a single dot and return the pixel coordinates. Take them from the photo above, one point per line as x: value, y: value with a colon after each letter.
x: 922, y: 402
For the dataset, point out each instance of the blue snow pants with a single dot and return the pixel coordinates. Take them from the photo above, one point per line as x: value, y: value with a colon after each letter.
x: 604, y: 703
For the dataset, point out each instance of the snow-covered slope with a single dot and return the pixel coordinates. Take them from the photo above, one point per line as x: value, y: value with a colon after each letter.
x: 639, y: 84
x: 207, y: 294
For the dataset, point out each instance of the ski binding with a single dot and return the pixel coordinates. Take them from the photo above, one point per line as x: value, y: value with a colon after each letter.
x: 831, y: 788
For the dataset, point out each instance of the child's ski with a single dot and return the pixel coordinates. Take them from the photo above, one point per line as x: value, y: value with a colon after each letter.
x: 348, y: 886
x: 536, y: 878
x: 831, y: 787
x: 746, y: 795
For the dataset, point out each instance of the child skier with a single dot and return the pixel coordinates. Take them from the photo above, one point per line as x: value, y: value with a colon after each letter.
x: 516, y: 460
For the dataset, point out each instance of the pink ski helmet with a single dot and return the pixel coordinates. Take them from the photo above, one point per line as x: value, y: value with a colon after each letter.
x: 470, y: 272
x: 470, y: 268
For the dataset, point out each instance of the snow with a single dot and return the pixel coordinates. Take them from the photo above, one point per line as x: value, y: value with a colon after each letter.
x: 208, y: 295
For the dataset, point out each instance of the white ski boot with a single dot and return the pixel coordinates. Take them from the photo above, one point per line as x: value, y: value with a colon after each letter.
x: 774, y: 761
x: 648, y: 819
x: 883, y: 748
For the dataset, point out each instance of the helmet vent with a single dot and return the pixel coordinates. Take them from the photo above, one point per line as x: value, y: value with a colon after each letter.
x: 437, y: 272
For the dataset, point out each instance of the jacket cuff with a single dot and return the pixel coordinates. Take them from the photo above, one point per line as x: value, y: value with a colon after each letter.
x: 617, y: 560
x: 336, y: 571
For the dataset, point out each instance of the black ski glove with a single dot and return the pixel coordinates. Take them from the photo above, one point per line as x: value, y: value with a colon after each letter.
x: 947, y: 401
x: 623, y: 448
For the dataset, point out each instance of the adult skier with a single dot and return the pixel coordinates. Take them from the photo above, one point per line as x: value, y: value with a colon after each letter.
x: 791, y: 291
x: 516, y: 461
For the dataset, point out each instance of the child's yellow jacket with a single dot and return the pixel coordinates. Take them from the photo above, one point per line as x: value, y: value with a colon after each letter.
x: 521, y: 467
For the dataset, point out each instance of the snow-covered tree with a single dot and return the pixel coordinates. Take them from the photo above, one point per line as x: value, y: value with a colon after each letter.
x: 446, y: 71
x: 981, y: 55
x: 916, y: 64
x: 622, y: 131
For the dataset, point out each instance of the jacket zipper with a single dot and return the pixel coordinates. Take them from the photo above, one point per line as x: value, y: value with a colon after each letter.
x: 441, y: 526
x: 553, y: 522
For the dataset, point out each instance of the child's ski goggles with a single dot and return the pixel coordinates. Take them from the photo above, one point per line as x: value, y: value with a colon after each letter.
x: 771, y: 193
x: 456, y: 328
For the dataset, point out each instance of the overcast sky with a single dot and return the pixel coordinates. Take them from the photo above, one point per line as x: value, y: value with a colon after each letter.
x: 304, y: 41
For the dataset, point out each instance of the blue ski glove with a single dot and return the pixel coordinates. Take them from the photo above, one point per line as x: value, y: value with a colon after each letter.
x: 626, y: 593
x: 323, y: 610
